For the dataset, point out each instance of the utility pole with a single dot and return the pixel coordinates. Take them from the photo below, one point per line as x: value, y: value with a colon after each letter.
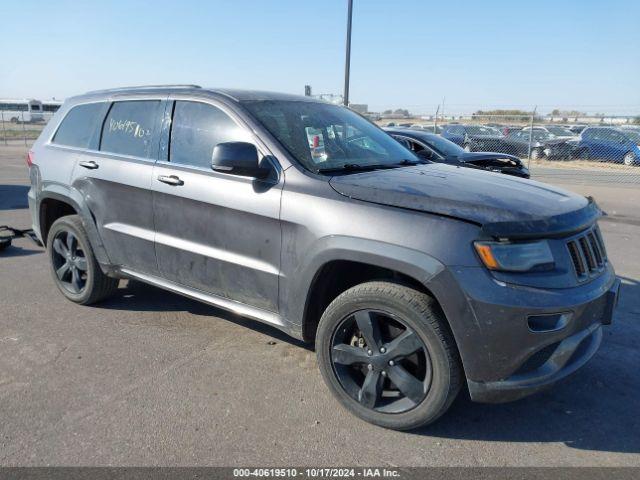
x: 347, y: 64
x: 533, y: 116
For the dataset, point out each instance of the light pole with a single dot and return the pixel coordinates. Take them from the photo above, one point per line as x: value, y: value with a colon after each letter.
x: 347, y: 64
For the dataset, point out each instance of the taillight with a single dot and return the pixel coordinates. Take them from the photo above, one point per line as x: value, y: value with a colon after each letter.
x: 316, y: 141
x: 30, y: 158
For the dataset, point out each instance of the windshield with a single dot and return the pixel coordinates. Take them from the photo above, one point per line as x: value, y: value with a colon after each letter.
x: 443, y: 145
x: 560, y: 131
x: 483, y: 131
x: 633, y: 135
x: 540, y: 135
x: 323, y: 136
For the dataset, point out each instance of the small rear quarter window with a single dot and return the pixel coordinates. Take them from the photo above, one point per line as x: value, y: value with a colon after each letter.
x: 78, y: 128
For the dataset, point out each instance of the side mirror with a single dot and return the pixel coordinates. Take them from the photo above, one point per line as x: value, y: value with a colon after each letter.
x: 238, y: 158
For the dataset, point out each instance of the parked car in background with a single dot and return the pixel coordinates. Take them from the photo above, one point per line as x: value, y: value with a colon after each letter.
x: 577, y: 129
x: 427, y: 128
x: 477, y: 138
x: 609, y: 144
x: 437, y: 149
x: 556, y: 130
x: 543, y: 145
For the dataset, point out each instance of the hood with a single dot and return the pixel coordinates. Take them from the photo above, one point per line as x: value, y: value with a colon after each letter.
x: 478, y: 156
x: 492, y: 200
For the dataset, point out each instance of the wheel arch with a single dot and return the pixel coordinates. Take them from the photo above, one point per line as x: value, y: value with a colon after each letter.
x: 343, y: 262
x: 55, y: 203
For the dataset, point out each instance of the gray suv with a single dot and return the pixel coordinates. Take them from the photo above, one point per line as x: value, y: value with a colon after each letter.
x: 414, y: 279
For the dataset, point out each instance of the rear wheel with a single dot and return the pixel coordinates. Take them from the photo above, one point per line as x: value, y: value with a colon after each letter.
x: 73, y: 265
x: 386, y: 354
x: 630, y: 159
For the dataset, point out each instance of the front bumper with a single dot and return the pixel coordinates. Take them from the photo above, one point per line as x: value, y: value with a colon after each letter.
x: 504, y: 357
x: 567, y: 357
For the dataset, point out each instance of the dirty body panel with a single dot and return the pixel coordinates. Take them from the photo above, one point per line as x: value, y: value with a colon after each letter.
x: 261, y: 244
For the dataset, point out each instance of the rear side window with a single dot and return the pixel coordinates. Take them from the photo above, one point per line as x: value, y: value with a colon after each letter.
x: 129, y: 128
x: 196, y: 129
x: 79, y: 125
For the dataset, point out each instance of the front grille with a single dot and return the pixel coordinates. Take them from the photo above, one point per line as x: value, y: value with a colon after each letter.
x: 587, y: 254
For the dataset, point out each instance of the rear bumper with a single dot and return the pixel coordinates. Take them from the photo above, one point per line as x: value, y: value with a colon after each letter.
x: 551, y: 363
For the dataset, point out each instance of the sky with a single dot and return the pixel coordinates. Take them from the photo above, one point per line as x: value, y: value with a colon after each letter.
x: 567, y: 54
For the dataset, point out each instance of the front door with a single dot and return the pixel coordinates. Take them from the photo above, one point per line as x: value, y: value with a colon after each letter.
x: 215, y: 232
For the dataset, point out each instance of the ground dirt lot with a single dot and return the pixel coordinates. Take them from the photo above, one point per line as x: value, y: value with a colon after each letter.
x: 151, y: 378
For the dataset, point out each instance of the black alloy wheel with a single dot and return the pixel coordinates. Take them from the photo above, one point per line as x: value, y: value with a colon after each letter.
x: 69, y: 261
x: 381, y: 362
x: 73, y: 265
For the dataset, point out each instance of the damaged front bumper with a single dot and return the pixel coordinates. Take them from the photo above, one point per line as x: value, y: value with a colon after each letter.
x: 551, y: 363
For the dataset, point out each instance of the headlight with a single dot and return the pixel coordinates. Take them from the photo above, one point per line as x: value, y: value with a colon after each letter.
x: 515, y: 257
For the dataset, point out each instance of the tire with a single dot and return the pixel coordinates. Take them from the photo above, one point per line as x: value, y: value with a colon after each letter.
x: 630, y: 159
x: 77, y: 275
x: 14, y: 120
x: 391, y: 307
x: 536, y: 154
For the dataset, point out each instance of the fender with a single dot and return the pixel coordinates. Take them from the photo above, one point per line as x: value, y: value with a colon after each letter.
x: 74, y: 198
x: 424, y: 268
x: 296, y: 289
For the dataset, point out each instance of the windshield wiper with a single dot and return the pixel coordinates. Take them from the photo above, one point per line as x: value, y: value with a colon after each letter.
x: 355, y: 167
x: 408, y: 163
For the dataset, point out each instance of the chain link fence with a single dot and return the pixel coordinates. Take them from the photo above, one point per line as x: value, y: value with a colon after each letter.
x: 573, y: 148
x: 17, y: 128
x: 558, y: 146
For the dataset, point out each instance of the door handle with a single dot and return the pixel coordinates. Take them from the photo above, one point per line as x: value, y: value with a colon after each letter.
x: 171, y: 180
x: 91, y: 165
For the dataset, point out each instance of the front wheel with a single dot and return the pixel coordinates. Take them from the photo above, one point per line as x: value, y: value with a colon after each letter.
x: 386, y: 354
x: 74, y: 268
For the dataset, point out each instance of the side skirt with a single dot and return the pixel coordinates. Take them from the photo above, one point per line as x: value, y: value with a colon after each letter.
x: 242, y: 309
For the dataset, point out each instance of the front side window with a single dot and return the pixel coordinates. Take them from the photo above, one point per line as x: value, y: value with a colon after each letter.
x: 196, y: 129
x: 79, y: 125
x: 129, y: 129
x: 323, y: 136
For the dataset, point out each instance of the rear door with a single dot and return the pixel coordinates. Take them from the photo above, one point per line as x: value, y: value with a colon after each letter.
x: 114, y: 179
x: 215, y: 232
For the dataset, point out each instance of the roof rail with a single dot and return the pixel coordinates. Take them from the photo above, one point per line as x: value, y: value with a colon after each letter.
x: 144, y: 87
